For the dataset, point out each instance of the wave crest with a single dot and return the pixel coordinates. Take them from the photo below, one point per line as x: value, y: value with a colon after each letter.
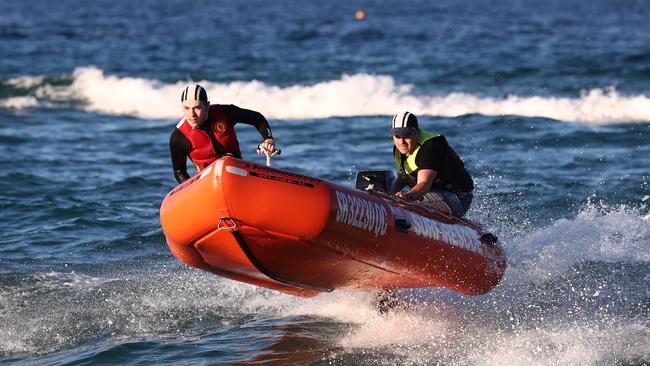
x: 351, y: 95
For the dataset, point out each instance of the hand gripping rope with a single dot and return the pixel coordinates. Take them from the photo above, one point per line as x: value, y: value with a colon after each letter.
x: 268, y: 156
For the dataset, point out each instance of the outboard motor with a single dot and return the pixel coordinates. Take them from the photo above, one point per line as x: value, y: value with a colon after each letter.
x: 375, y: 180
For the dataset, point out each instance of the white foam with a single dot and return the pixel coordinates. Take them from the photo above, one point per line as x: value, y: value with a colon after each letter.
x: 19, y: 103
x: 425, y: 335
x: 343, y: 306
x: 187, y: 302
x: 26, y: 81
x: 56, y: 310
x: 351, y: 95
x: 582, y: 345
x: 399, y: 329
x: 53, y: 310
x: 597, y: 233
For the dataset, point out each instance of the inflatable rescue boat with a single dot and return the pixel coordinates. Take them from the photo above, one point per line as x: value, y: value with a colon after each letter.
x: 303, y: 236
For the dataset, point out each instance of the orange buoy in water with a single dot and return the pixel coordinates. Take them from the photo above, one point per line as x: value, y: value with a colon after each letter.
x: 359, y: 15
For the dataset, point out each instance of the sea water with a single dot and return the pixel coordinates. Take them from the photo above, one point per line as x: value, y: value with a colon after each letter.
x: 547, y: 102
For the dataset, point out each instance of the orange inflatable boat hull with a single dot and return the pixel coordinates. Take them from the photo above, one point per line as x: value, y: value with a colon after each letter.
x: 303, y: 235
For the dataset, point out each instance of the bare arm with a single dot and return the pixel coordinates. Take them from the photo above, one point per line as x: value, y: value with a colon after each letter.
x: 425, y: 180
x: 398, y: 184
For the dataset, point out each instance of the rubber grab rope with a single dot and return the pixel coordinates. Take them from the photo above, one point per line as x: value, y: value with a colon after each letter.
x: 269, y: 155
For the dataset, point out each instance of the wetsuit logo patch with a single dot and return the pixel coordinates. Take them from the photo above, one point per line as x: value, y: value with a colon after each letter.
x: 219, y: 127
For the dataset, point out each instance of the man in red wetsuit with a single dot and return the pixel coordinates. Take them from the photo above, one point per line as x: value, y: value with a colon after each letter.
x: 206, y: 132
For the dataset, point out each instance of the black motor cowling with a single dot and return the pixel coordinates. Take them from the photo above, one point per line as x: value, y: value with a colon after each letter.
x: 375, y: 180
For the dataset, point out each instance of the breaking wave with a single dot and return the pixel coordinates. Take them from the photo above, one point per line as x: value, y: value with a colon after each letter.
x: 92, y: 90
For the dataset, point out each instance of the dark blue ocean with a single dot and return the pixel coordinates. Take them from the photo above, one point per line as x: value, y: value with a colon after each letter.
x: 548, y: 103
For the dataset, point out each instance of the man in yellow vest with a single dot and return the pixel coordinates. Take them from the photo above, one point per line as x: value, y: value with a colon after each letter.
x: 432, y: 170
